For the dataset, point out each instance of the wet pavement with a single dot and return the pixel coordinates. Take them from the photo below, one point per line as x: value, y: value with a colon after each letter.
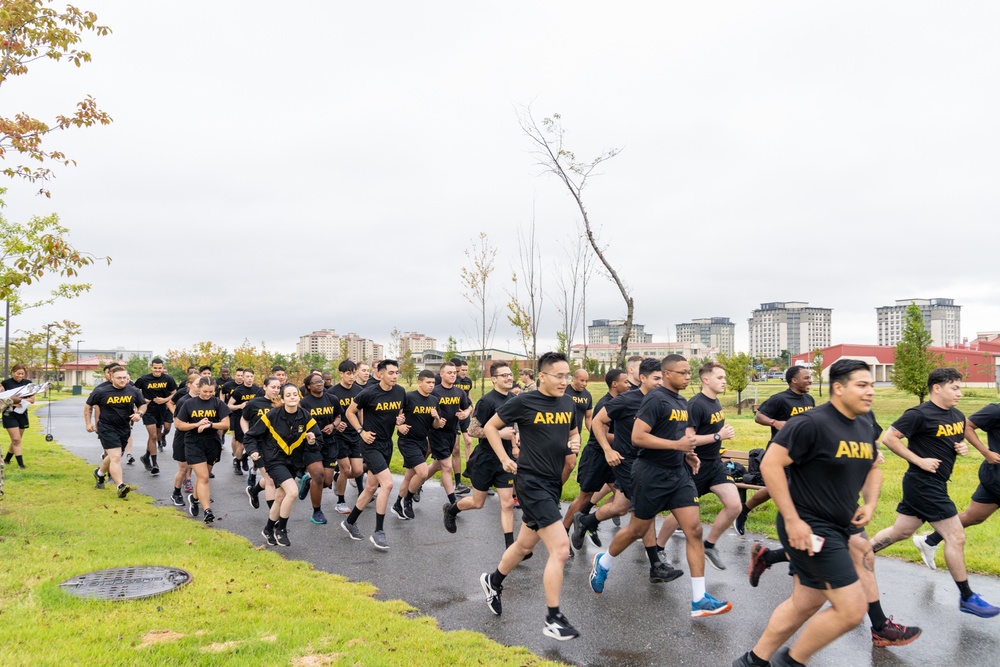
x: 633, y: 623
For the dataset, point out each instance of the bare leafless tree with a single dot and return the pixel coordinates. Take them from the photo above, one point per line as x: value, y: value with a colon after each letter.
x: 475, y: 281
x: 572, y: 285
x: 554, y: 158
x: 525, y: 315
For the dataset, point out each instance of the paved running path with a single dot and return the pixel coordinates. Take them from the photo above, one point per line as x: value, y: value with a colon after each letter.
x: 632, y: 623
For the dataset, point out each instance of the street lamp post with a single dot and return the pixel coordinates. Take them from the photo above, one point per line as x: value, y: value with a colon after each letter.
x: 78, y: 363
x: 48, y: 334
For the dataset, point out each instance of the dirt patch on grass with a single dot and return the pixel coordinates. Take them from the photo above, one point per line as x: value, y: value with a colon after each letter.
x: 220, y: 647
x: 158, y: 637
x: 316, y: 660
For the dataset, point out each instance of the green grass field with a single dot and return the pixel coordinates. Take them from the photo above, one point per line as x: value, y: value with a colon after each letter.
x: 982, y: 551
x: 245, y: 606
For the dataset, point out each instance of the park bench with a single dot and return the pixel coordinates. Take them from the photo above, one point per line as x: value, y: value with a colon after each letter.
x: 744, y: 459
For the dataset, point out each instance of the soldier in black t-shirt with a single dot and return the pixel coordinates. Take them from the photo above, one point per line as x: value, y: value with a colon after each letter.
x: 935, y: 434
x: 775, y: 413
x: 593, y: 474
x: 380, y: 406
x: 269, y: 399
x: 349, y: 461
x: 182, y: 479
x: 463, y: 382
x: 584, y: 402
x: 546, y: 422
x: 454, y: 406
x: 707, y: 422
x: 120, y: 405
x: 236, y: 398
x: 157, y: 387
x: 325, y: 409
x: 421, y: 419
x: 483, y: 468
x: 204, y: 418
x: 816, y: 467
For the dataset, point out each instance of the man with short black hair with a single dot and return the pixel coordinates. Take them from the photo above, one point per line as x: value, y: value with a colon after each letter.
x: 546, y: 421
x: 453, y: 407
x: 935, y: 434
x: 816, y: 467
x: 349, y: 462
x: 463, y: 382
x: 157, y: 387
x: 325, y: 410
x: 119, y: 406
x: 237, y: 399
x: 421, y: 412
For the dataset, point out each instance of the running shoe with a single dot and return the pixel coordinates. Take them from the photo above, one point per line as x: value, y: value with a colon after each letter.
x: 193, y: 506
x: 161, y: 445
x: 408, y: 511
x: 781, y: 659
x: 977, y: 606
x: 154, y: 470
x: 304, y: 486
x: 252, y: 478
x: 757, y: 564
x: 237, y: 468
x: 492, y: 594
x: 576, y: 538
x: 709, y: 606
x: 209, y: 516
x: 281, y: 536
x: 926, y: 551
x: 342, y: 508
x: 894, y: 634
x: 245, y: 463
x: 617, y: 520
x: 397, y: 509
x: 99, y: 477
x: 178, y: 499
x: 744, y: 661
x: 517, y: 503
x: 558, y: 627
x: 352, y: 530
x: 188, y: 486
x: 416, y: 496
x: 713, y: 557
x: 462, y: 489
x: 740, y: 524
x: 124, y: 488
x: 253, y: 496
x: 661, y: 573
x: 598, y: 575
x: 490, y: 492
x: 318, y: 517
x: 211, y: 475
x: 449, y: 519
x: 130, y: 460
x: 145, y: 461
x: 379, y: 540
x: 594, y: 538
x: 269, y: 536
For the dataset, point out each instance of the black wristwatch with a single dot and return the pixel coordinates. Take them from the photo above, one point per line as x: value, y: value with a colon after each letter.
x: 718, y: 438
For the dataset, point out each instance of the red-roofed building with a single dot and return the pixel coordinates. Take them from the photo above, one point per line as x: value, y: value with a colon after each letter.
x: 89, y: 371
x: 978, y: 360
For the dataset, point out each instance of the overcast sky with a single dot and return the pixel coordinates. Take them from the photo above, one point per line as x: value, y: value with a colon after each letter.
x: 278, y: 168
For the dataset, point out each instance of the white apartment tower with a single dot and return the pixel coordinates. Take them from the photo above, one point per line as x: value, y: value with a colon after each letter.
x: 788, y: 325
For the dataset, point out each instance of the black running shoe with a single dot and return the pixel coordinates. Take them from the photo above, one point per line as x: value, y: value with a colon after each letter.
x: 237, y: 467
x: 740, y: 524
x: 558, y: 627
x: 416, y: 496
x: 408, y: 511
x: 178, y: 499
x: 894, y: 634
x: 145, y: 461
x: 211, y: 475
x: 209, y: 516
x: 154, y: 470
x: 492, y: 594
x: 576, y: 538
x: 99, y: 477
x: 254, y: 497
x: 662, y: 573
x: 245, y: 463
x: 449, y: 519
x: 281, y: 536
x: 123, y: 490
x: 397, y: 509
x: 269, y: 536
x: 129, y: 461
x: 193, y: 506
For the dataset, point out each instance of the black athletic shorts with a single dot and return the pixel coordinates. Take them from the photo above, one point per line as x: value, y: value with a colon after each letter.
x: 202, y: 451
x: 540, y: 500
x: 155, y: 414
x: 280, y: 471
x: 234, y: 423
x: 329, y: 450
x: 593, y: 471
x: 348, y: 450
x: 657, y: 488
x: 178, y: 447
x: 15, y: 420
x: 376, y: 457
x: 623, y: 476
x: 484, y: 470
x: 832, y: 567
x: 168, y: 417
x: 711, y: 473
x: 463, y: 424
x: 988, y: 491
x: 442, y: 444
x: 414, y: 451
x: 113, y: 437
x: 925, y: 497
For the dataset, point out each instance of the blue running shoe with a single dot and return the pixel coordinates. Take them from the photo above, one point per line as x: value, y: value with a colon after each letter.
x: 598, y: 575
x: 709, y: 606
x: 304, y: 486
x: 977, y: 606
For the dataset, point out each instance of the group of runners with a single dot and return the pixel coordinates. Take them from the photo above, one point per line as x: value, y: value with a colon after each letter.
x: 650, y: 451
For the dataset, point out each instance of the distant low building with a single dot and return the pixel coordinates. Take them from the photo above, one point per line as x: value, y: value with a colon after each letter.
x: 608, y: 354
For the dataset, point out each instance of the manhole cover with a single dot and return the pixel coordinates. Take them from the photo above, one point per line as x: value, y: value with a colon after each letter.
x: 126, y: 583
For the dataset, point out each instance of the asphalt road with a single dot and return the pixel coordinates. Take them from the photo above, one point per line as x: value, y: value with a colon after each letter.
x: 633, y: 623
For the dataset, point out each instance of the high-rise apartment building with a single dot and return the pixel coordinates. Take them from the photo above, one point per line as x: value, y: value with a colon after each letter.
x: 942, y: 318
x: 717, y: 332
x: 324, y: 341
x: 788, y: 325
x: 416, y: 343
x: 603, y: 332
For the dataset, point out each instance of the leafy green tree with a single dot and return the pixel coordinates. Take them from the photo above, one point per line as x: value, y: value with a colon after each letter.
x: 408, y: 367
x: 914, y: 360
x: 452, y: 349
x: 817, y: 368
x: 738, y: 369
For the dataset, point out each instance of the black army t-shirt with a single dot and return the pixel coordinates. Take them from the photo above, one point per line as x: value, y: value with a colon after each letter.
x: 194, y: 409
x: 666, y: 413
x: 621, y: 410
x: 583, y: 401
x: 988, y: 419
x: 544, y: 423
x: 601, y: 402
x: 831, y: 457
x: 255, y: 409
x: 344, y: 396
x: 380, y: 411
x: 706, y: 417
x: 117, y: 405
x: 156, y: 387
x: 242, y: 394
x: 932, y: 432
x: 488, y: 406
x: 451, y: 402
x: 418, y: 411
x: 785, y: 405
x: 324, y: 409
